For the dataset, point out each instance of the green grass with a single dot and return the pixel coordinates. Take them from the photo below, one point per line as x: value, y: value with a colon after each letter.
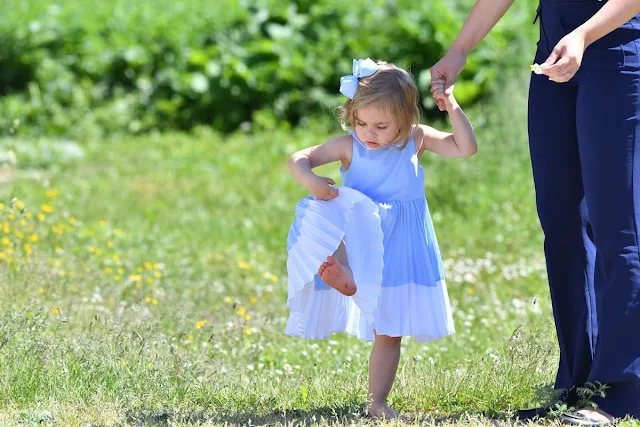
x: 154, y: 292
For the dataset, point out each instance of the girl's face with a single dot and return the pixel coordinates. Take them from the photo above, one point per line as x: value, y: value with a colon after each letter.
x: 375, y: 127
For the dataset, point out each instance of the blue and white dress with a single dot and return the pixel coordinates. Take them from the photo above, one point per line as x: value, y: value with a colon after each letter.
x: 382, y: 215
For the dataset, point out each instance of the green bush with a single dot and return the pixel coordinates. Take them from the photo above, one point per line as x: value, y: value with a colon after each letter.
x: 155, y: 64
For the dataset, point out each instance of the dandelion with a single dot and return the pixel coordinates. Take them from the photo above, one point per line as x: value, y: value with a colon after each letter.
x: 248, y: 331
x: 52, y: 194
x: 6, y: 241
x: 1, y: 206
x: 228, y: 300
x: 47, y: 208
x: 116, y: 278
x: 108, y: 270
x: 2, y: 256
x: 120, y: 270
x: 34, y: 238
x: 140, y: 270
x: 72, y: 220
x: 190, y: 338
x: 23, y: 222
x: 109, y: 244
x: 55, y: 310
x: 148, y: 266
x: 19, y: 204
x: 154, y: 302
x: 19, y: 234
x: 41, y: 290
x: 135, y: 278
x: 92, y: 249
x: 201, y: 323
x: 150, y: 280
x: 102, y: 223
x: 248, y: 317
x: 241, y: 311
x: 116, y: 258
x: 41, y: 216
x: 243, y: 265
x: 27, y: 249
x: 253, y: 300
x: 117, y: 231
x: 29, y: 215
x: 158, y: 275
x: 148, y: 299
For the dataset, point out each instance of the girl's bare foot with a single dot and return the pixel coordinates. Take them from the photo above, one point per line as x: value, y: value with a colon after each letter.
x: 382, y: 411
x: 337, y: 276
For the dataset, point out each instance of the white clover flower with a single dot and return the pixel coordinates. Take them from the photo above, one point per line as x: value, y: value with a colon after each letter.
x: 536, y: 68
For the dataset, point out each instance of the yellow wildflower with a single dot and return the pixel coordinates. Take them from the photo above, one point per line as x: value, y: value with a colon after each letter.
x: 200, y: 324
x: 47, y: 208
x: 243, y: 265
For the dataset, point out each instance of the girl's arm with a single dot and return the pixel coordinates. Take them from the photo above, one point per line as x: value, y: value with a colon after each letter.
x: 302, y: 162
x: 461, y: 143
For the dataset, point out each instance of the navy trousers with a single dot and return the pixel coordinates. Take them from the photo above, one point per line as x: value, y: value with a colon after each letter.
x: 585, y: 150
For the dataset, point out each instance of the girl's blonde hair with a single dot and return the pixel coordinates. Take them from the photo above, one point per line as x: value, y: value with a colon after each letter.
x: 391, y: 88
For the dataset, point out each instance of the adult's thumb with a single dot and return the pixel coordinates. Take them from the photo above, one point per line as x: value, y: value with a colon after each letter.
x: 551, y: 59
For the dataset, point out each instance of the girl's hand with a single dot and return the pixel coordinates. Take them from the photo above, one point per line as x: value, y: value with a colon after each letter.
x: 322, y: 189
x: 444, y: 73
x: 447, y: 100
x: 566, y: 57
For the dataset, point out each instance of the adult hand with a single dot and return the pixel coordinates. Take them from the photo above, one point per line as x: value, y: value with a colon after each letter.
x: 566, y: 57
x: 444, y: 73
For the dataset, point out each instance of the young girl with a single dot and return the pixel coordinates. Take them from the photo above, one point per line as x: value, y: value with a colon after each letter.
x: 363, y: 258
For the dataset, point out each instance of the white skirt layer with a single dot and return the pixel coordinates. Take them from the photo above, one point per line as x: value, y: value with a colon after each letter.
x: 317, y: 310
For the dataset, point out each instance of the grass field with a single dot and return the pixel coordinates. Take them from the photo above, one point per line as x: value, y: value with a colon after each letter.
x: 143, y: 282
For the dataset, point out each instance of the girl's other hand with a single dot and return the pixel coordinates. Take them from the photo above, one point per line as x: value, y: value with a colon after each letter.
x: 321, y: 188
